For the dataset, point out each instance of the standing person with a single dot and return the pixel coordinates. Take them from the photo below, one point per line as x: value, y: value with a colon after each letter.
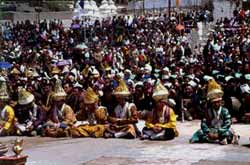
x: 216, y: 125
x: 7, y: 115
x: 92, y: 119
x: 161, y: 123
x: 124, y: 117
x: 61, y: 116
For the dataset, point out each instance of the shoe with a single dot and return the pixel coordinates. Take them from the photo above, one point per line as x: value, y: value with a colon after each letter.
x: 223, y: 142
x: 235, y: 140
x: 143, y: 137
x: 19, y: 133
x: 33, y: 133
x: 108, y: 135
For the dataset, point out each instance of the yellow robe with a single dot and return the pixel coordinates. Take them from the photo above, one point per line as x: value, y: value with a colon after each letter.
x: 170, y: 124
x: 7, y: 119
x: 89, y: 129
x: 124, y: 120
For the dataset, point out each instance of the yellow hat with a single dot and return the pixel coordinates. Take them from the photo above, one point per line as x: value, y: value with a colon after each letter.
x: 31, y: 72
x: 160, y: 92
x: 15, y: 71
x: 55, y: 70
x: 94, y: 72
x: 122, y: 89
x: 106, y: 67
x: 214, y: 91
x: 101, y: 115
x: 85, y: 71
x: 90, y: 96
x: 59, y: 92
x: 3, y: 91
x: 25, y: 97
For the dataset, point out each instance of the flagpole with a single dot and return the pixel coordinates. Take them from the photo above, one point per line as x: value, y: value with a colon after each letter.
x: 169, y: 8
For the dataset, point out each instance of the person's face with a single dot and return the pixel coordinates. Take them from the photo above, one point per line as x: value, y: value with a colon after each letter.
x: 120, y: 100
x: 216, y: 104
x: 92, y: 106
x: 67, y: 88
x: 159, y: 105
x: 59, y: 103
x: 138, y: 91
x: 76, y: 90
x: 1, y: 103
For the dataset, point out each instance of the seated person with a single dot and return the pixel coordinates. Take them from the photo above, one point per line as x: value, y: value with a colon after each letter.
x: 244, y: 113
x: 7, y: 115
x: 216, y: 125
x: 30, y: 117
x: 161, y: 123
x: 124, y: 117
x: 61, y: 116
x: 92, y: 120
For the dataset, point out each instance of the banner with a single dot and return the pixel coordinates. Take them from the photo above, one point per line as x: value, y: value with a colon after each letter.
x: 177, y: 3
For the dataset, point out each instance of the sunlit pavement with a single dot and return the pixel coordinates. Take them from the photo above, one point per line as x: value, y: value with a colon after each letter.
x: 67, y: 151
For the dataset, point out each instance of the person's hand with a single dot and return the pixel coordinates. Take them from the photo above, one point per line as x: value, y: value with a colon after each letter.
x: 157, y: 129
x: 213, y: 136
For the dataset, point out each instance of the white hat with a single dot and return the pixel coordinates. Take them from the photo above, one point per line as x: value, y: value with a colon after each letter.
x: 171, y: 102
x: 148, y: 68
x: 245, y: 88
x: 25, y: 97
x: 166, y: 69
x: 192, y: 83
x: 207, y: 78
x: 228, y: 78
x: 139, y: 83
x: 160, y: 92
x: 165, y: 77
x: 247, y: 76
x: 77, y: 85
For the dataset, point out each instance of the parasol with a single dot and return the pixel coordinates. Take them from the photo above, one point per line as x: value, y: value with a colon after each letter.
x: 81, y: 46
x: 5, y: 65
x: 180, y: 27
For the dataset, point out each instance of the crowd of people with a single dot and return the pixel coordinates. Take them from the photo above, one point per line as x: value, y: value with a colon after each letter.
x: 100, y: 78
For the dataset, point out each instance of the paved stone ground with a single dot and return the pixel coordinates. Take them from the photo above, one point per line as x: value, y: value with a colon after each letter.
x: 89, y: 151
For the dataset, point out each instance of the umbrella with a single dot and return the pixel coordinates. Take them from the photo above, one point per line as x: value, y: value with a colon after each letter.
x: 180, y: 27
x: 5, y: 65
x: 63, y: 63
x: 75, y: 26
x: 81, y: 46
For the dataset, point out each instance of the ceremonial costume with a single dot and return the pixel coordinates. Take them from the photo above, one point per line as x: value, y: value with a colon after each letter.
x: 30, y: 117
x: 216, y: 125
x: 92, y: 119
x: 7, y: 116
x: 61, y: 116
x: 161, y: 123
x: 124, y: 117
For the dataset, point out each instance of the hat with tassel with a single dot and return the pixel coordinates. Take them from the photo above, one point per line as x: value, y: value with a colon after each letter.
x: 160, y: 92
x: 55, y: 70
x: 25, y: 97
x: 122, y: 89
x: 214, y: 92
x: 90, y: 96
x: 15, y: 71
x: 3, y: 89
x: 59, y: 92
x: 85, y: 71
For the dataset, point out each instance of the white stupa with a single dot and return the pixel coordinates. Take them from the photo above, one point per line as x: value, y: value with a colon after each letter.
x: 77, y: 11
x: 86, y: 7
x: 112, y: 6
x: 104, y: 8
x: 77, y: 8
x: 93, y: 5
